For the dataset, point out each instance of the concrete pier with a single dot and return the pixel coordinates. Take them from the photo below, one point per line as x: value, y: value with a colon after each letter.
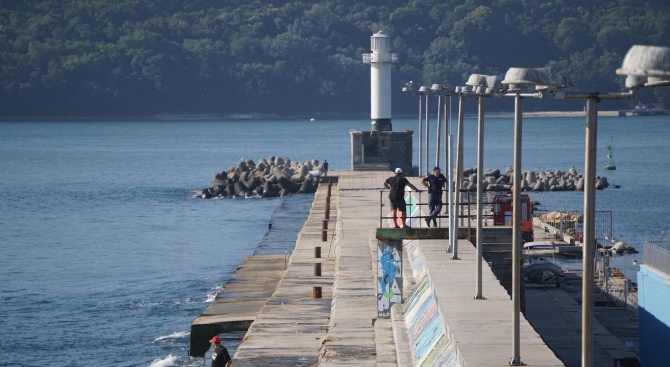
x: 236, y: 306
x: 343, y: 327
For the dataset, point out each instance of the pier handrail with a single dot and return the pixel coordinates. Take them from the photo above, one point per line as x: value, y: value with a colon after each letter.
x: 466, y: 205
x: 656, y: 257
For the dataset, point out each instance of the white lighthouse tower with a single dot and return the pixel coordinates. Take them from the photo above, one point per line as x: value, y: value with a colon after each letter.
x: 380, y: 61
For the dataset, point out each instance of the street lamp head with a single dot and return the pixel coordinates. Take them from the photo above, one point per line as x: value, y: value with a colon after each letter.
x: 520, y: 79
x: 424, y: 89
x: 463, y: 89
x: 476, y: 80
x: 485, y: 84
x: 494, y: 84
x: 646, y: 66
x: 440, y: 89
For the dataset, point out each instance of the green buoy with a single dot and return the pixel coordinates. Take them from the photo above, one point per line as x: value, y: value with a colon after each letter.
x: 609, y: 166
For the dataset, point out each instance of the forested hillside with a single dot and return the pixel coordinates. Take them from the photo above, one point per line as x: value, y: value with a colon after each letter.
x: 145, y: 57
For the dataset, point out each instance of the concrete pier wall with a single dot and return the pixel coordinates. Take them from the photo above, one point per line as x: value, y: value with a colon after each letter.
x: 438, y: 324
x: 654, y: 313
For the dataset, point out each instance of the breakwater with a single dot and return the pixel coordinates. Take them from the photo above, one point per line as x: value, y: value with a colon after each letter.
x: 272, y: 177
x: 495, y: 180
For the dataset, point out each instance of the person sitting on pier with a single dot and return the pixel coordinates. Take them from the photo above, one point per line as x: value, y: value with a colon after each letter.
x: 220, y: 356
x: 396, y: 184
x: 435, y: 183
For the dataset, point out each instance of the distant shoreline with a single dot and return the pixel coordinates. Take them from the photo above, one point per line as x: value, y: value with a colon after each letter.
x: 253, y: 117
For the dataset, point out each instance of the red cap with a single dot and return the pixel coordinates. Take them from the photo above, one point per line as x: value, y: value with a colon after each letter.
x: 215, y: 339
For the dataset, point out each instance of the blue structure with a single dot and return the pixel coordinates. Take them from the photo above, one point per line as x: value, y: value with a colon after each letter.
x: 654, y: 309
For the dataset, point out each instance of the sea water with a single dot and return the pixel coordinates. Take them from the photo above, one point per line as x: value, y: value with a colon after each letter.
x: 107, y: 254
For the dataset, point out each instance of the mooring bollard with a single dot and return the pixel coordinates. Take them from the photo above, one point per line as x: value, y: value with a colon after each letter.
x: 316, y: 292
x: 317, y: 269
x: 317, y: 252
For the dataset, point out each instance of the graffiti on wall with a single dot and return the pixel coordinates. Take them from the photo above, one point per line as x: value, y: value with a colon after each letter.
x: 389, y: 276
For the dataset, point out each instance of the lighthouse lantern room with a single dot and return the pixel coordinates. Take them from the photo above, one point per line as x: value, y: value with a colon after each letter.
x: 380, y: 61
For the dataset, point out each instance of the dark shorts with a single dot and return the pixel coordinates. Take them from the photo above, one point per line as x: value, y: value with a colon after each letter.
x: 398, y: 204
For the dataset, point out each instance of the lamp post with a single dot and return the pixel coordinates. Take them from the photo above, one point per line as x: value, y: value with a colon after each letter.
x: 422, y: 91
x: 484, y: 86
x: 448, y: 158
x: 441, y: 90
x: 462, y: 92
x: 644, y: 66
x: 522, y: 83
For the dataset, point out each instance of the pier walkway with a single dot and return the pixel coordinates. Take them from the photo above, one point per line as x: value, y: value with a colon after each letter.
x: 295, y: 328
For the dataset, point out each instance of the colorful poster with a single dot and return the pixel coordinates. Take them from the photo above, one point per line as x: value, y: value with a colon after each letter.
x: 389, y: 276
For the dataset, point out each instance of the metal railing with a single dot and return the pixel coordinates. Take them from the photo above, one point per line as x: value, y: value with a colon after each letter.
x: 656, y: 257
x: 467, y: 211
x: 570, y: 223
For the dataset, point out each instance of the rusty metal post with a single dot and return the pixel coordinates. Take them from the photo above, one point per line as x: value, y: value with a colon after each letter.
x: 324, y: 224
x: 317, y: 252
x: 324, y: 235
x: 317, y: 269
x: 316, y: 292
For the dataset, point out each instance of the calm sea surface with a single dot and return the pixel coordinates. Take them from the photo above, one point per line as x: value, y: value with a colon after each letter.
x: 106, y: 256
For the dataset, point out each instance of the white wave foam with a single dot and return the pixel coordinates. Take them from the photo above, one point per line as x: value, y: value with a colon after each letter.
x: 186, y: 301
x: 211, y: 295
x: 142, y: 304
x: 170, y: 360
x: 175, y: 335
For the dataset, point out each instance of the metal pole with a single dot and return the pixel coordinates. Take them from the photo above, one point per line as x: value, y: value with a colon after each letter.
x: 427, y: 133
x: 516, y: 233
x: 448, y: 153
x: 420, y: 134
x: 480, y: 194
x: 447, y: 147
x: 437, y: 131
x: 459, y: 171
x: 589, y: 229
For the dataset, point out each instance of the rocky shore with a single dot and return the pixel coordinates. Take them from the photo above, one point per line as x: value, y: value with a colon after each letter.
x: 494, y: 180
x: 272, y: 177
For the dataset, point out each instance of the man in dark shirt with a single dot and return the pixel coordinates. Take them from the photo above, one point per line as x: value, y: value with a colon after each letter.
x: 396, y: 184
x: 220, y: 356
x: 434, y: 183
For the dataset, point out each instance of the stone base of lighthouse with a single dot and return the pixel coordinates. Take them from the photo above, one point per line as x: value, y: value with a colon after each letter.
x: 381, y: 150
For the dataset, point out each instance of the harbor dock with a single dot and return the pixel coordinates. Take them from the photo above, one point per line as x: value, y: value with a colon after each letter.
x: 323, y: 309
